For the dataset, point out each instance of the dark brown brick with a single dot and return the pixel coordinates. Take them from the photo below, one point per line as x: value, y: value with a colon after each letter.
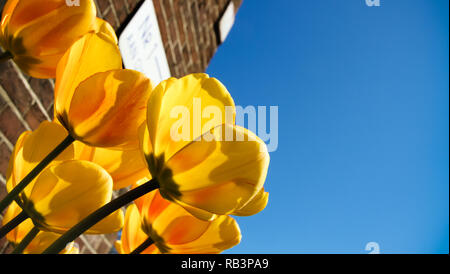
x: 10, y: 125
x: 2, y: 103
x: 34, y: 117
x: 109, y: 16
x: 43, y: 90
x: 120, y: 8
x: 161, y: 22
x: 14, y: 87
x: 5, y: 153
x: 103, y: 5
x: 132, y: 4
x: 50, y: 111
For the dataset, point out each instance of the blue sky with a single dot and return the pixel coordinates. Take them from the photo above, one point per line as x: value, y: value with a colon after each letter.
x: 363, y: 96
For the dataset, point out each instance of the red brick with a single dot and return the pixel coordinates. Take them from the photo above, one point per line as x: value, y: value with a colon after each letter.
x: 167, y: 9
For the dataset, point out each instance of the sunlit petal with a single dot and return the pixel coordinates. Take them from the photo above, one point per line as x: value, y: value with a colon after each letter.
x: 65, y: 193
x: 219, y: 176
x: 132, y: 234
x: 126, y: 167
x: 194, y: 93
x: 255, y: 205
x: 108, y: 108
x: 93, y: 53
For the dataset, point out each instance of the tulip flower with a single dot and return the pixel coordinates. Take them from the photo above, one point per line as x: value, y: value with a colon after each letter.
x: 32, y: 147
x: 66, y: 191
x: 38, y: 244
x: 205, y: 173
x: 99, y: 103
x: 173, y: 229
x: 126, y: 167
x: 37, y: 33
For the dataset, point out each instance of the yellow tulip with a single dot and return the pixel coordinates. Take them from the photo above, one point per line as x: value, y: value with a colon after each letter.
x: 18, y: 233
x: 32, y: 147
x: 42, y: 240
x: 67, y: 190
x: 173, y: 229
x: 126, y: 167
x: 65, y: 193
x: 37, y: 33
x: 207, y: 176
x: 99, y: 103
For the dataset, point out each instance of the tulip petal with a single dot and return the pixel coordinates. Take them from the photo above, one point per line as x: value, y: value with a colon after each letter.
x: 224, y: 179
x: 255, y: 205
x: 108, y: 108
x: 132, y: 234
x: 9, y: 172
x: 6, y: 16
x: 34, y: 147
x: 223, y: 233
x: 126, y: 167
x: 174, y: 230
x: 65, y: 193
x: 105, y: 28
x: 93, y: 53
x: 194, y: 93
x: 17, y: 234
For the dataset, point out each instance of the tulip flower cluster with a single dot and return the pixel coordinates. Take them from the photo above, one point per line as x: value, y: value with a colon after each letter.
x: 112, y: 130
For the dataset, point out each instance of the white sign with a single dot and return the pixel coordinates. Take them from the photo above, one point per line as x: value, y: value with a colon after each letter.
x: 227, y: 22
x: 141, y: 45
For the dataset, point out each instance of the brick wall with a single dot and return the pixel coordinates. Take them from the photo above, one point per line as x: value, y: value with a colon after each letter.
x: 188, y: 31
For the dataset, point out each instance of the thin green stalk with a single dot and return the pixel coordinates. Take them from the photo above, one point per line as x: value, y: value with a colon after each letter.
x: 5, y: 56
x: 13, y: 223
x: 35, y: 172
x: 26, y: 241
x: 143, y: 246
x: 100, y: 214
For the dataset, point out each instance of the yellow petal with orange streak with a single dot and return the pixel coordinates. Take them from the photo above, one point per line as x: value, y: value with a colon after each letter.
x: 108, y: 108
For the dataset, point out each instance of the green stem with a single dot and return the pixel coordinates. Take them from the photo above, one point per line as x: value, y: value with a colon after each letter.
x: 100, y: 214
x: 13, y: 223
x: 5, y: 56
x: 143, y: 246
x: 35, y: 172
x: 26, y: 241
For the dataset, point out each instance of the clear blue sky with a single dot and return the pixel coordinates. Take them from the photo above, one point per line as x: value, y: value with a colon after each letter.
x: 363, y: 96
